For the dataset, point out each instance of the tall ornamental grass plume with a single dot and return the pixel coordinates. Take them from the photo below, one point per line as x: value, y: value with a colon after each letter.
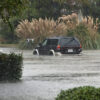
x: 73, y: 20
x: 24, y: 29
x: 86, y: 29
x: 88, y: 40
x: 41, y: 28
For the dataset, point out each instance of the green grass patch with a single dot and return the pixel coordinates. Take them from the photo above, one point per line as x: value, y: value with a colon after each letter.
x: 9, y: 45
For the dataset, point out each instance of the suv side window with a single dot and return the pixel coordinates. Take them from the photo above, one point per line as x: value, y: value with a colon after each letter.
x: 52, y: 42
x: 44, y: 42
x: 65, y: 41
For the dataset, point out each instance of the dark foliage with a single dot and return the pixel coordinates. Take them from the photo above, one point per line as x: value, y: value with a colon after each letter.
x: 80, y: 93
x: 10, y: 67
x: 85, y: 37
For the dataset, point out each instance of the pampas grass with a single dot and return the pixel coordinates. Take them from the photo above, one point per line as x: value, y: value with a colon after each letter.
x: 85, y: 30
x: 39, y: 29
x: 72, y: 21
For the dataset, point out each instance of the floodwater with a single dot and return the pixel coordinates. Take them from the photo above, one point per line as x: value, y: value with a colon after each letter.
x: 45, y: 76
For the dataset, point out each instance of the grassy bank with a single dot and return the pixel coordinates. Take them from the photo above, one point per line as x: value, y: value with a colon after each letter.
x: 9, y: 45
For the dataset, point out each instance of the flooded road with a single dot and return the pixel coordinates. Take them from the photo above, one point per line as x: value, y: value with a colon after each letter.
x: 45, y: 76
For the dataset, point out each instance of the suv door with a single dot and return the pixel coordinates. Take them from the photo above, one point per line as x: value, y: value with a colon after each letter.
x: 52, y: 44
x: 43, y: 49
x: 47, y: 45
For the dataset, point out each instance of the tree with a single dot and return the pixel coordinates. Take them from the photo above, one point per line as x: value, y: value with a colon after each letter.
x: 95, y: 9
x: 10, y: 8
x: 45, y: 8
x: 88, y: 7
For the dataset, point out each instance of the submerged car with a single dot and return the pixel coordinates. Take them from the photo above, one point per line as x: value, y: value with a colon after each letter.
x: 56, y: 45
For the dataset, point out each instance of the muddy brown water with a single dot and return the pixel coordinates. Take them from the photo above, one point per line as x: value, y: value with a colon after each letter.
x: 45, y: 76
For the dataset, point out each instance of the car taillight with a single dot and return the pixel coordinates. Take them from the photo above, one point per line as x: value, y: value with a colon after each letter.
x: 58, y: 47
x: 80, y: 46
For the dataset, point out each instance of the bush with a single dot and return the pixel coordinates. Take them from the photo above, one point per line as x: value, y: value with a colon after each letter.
x: 10, y: 67
x: 88, y: 39
x: 80, y: 93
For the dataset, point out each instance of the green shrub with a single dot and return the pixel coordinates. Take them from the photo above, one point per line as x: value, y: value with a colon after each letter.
x: 80, y: 93
x: 10, y: 67
x: 99, y: 28
x: 88, y: 40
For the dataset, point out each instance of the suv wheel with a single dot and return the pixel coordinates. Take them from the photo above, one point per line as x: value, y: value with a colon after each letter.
x: 35, y: 52
x: 52, y: 53
x: 77, y: 52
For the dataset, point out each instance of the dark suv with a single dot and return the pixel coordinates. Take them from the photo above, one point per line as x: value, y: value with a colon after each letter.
x: 56, y: 45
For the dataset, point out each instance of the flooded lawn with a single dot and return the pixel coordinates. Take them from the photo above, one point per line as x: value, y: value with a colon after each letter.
x: 44, y: 76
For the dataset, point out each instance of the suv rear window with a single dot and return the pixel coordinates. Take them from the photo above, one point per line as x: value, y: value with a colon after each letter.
x: 52, y: 41
x: 69, y: 41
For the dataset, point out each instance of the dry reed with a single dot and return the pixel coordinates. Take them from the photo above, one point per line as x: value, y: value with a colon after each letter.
x: 40, y: 29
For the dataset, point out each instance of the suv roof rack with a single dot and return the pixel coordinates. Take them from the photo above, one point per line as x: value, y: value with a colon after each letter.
x: 59, y: 37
